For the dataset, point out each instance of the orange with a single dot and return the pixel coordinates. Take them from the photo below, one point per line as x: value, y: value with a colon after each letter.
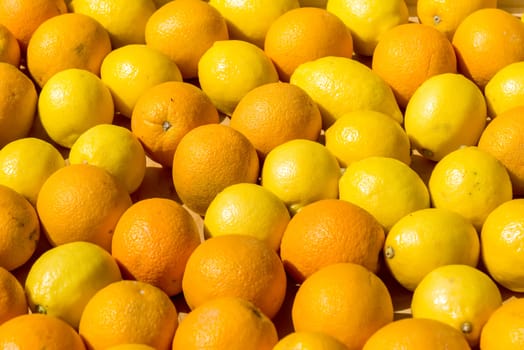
x: 235, y: 265
x: 22, y: 17
x: 274, y: 113
x: 81, y: 202
x: 19, y: 229
x: 309, y: 340
x: 131, y: 346
x: 18, y: 101
x: 12, y: 297
x: 37, y: 331
x: 208, y: 159
x: 225, y: 323
x: 486, y: 41
x: 175, y: 30
x: 129, y: 312
x: 330, y: 231
x: 446, y: 15
x: 305, y: 34
x: 505, y: 327
x: 415, y: 334
x: 152, y: 242
x: 409, y: 54
x: 344, y: 300
x: 503, y: 138
x: 71, y: 40
x: 165, y: 113
x: 9, y: 47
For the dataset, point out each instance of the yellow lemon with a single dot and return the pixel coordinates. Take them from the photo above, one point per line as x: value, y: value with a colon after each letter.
x: 426, y: 239
x: 445, y: 15
x: 9, y: 47
x: 124, y: 20
x: 505, y: 89
x: 459, y: 295
x: 471, y: 182
x: 445, y: 112
x: 502, y: 237
x: 63, y: 279
x: 386, y: 187
x: 300, y: 172
x: 26, y: 163
x: 114, y: 148
x: 132, y: 69
x: 309, y: 340
x: 369, y: 19
x: 365, y: 133
x: 249, y: 20
x: 229, y: 69
x: 72, y: 101
x: 247, y: 208
x: 504, y: 327
x: 340, y: 85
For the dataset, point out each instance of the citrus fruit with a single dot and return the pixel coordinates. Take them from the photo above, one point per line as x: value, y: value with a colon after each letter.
x: 250, y: 209
x: 130, y: 70
x: 37, y: 331
x: 12, y: 297
x: 328, y: 301
x: 229, y: 69
x: 129, y: 312
x: 373, y: 183
x: 153, y: 240
x: 166, y: 112
x: 446, y: 15
x: 26, y: 163
x: 354, y: 135
x: 309, y: 340
x: 131, y: 346
x: 300, y: 172
x: 114, y: 148
x: 330, y: 231
x: 471, y: 182
x: 63, y: 279
x: 340, y: 85
x: 416, y: 333
x: 124, y: 21
x: 18, y: 102
x: 56, y: 45
x: 501, y: 239
x: 81, y: 202
x: 426, y: 239
x: 503, y: 330
x: 72, y: 101
x: 305, y: 34
x: 445, y: 112
x: 175, y: 31
x: 459, y: 295
x: 505, y: 89
x: 9, y: 47
x: 274, y: 113
x: 208, y: 159
x: 368, y: 20
x: 22, y: 17
x: 236, y: 266
x: 486, y: 41
x: 225, y: 323
x: 19, y: 229
x: 409, y: 54
x: 250, y: 20
x: 501, y: 138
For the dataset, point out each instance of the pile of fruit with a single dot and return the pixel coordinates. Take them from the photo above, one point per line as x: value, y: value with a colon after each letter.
x: 261, y: 174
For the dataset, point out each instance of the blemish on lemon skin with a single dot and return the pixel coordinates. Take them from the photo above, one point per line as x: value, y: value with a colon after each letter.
x: 389, y: 252
x: 466, y: 327
x: 166, y: 125
x: 436, y: 19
